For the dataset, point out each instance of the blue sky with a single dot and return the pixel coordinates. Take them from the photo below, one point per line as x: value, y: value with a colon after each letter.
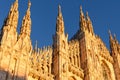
x: 105, y: 15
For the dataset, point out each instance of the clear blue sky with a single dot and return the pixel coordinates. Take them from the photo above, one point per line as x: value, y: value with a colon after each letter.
x: 105, y: 15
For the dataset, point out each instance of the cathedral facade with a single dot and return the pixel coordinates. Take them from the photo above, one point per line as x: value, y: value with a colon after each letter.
x: 83, y: 57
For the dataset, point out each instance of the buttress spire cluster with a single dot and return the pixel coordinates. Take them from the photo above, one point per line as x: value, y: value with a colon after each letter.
x: 13, y: 15
x: 113, y: 42
x: 11, y: 23
x: 10, y: 26
x: 85, y: 22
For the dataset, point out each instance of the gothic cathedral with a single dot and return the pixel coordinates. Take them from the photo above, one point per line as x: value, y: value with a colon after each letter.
x: 83, y: 57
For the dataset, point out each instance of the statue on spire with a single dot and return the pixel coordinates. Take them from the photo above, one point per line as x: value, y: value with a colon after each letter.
x: 29, y: 4
x: 59, y: 9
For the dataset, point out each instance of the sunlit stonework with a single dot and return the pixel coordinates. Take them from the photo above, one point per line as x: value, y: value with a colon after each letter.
x: 83, y: 57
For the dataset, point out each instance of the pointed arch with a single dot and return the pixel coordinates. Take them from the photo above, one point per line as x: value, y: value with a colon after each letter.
x: 106, y: 71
